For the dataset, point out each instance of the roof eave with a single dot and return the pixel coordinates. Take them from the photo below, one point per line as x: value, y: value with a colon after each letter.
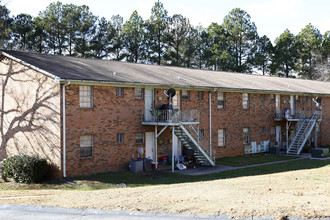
x: 56, y: 78
x: 138, y: 84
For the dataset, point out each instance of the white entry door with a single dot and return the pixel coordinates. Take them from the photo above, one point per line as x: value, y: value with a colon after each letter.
x: 278, y: 135
x: 176, y: 100
x: 278, y: 103
x: 149, y: 103
x: 177, y: 147
x: 150, y: 145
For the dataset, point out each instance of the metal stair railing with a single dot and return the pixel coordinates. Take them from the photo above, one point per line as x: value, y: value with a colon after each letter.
x: 201, y: 140
x: 301, y: 117
x: 310, y: 126
x: 189, y: 115
x: 308, y: 130
x: 299, y: 114
x: 203, y: 150
x: 171, y: 116
x: 295, y: 144
x: 303, y: 133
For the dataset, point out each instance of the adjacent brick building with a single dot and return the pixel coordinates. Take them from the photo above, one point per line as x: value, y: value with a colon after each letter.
x: 110, y: 111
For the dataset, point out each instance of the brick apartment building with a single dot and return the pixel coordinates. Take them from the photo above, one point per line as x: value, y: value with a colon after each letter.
x: 114, y: 109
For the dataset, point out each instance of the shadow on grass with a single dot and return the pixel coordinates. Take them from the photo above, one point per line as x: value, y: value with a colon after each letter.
x: 112, y: 179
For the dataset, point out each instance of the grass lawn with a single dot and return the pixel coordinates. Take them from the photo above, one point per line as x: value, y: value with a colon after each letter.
x: 297, y: 188
x: 112, y: 179
x: 245, y: 160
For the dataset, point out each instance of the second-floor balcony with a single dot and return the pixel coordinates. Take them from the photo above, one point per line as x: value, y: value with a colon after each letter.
x: 170, y: 117
x: 297, y: 115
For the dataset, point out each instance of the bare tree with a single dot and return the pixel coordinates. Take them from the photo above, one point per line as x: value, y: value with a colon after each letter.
x: 323, y: 70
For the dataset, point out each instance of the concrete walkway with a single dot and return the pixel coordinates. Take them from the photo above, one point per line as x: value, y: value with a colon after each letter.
x: 309, y: 156
x: 32, y: 212
x: 221, y: 168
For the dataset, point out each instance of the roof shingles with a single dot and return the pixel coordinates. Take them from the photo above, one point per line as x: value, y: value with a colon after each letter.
x: 94, y: 70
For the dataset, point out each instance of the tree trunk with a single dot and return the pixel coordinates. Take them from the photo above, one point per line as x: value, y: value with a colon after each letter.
x: 70, y: 45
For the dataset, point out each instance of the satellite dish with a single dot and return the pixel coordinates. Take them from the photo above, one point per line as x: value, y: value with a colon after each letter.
x: 171, y: 92
x: 318, y: 100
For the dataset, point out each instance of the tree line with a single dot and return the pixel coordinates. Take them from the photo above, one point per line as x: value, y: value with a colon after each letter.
x: 233, y: 45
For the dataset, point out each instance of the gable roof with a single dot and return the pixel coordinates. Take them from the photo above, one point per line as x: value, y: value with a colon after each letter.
x: 74, y: 69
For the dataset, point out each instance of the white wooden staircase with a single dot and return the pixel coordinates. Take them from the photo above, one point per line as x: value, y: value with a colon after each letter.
x: 304, y: 130
x: 190, y: 139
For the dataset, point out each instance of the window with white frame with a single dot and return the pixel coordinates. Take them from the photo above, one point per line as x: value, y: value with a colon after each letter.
x: 221, y: 137
x: 262, y: 97
x: 272, y: 97
x: 120, y: 138
x: 175, y: 101
x: 86, y: 96
x: 200, y: 94
x: 221, y: 100
x: 272, y: 131
x: 120, y: 92
x: 185, y: 95
x: 201, y: 132
x: 139, y: 138
x: 86, y: 146
x: 263, y: 130
x: 138, y: 93
x: 245, y: 100
x: 246, y: 135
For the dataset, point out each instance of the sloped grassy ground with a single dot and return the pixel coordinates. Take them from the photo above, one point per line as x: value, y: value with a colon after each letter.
x: 297, y: 188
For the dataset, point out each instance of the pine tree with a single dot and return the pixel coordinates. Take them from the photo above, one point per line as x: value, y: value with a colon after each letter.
x: 133, y: 33
x: 242, y: 36
x: 309, y: 49
x: 284, y: 61
x: 156, y: 28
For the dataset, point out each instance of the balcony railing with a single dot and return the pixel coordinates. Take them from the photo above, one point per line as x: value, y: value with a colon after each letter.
x: 297, y: 115
x: 171, y: 116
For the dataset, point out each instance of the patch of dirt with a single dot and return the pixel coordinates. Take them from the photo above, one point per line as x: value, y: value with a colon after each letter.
x: 303, y: 193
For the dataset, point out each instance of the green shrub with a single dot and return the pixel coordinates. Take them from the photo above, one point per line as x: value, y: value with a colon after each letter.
x: 24, y: 168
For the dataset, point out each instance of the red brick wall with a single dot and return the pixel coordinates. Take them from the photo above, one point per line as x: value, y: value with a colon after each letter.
x: 233, y: 119
x: 325, y: 124
x: 260, y: 114
x: 111, y: 115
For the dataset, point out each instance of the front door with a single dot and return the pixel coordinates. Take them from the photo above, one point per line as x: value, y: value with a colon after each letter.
x: 176, y: 100
x: 177, y: 147
x: 278, y: 103
x: 278, y: 135
x: 150, y: 145
x: 149, y: 103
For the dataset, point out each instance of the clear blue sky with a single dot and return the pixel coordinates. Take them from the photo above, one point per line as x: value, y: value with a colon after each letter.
x: 271, y: 17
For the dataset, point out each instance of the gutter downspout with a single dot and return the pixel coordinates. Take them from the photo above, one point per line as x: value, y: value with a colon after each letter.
x: 63, y: 123
x: 210, y: 120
